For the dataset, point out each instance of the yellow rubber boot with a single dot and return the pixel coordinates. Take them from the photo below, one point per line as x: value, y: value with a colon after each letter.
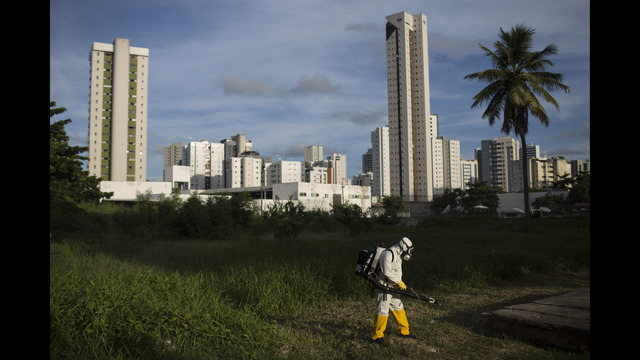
x: 401, y: 319
x: 381, y: 325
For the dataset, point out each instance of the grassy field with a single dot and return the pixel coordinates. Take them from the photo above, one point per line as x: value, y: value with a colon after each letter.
x: 255, y: 296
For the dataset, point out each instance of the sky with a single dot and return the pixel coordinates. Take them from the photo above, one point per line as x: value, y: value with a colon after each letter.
x: 294, y: 73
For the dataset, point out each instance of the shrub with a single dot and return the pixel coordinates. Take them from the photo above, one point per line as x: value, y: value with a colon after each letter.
x: 352, y: 216
x: 286, y: 219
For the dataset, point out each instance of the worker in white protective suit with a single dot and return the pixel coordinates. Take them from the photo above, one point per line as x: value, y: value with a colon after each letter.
x: 390, y: 265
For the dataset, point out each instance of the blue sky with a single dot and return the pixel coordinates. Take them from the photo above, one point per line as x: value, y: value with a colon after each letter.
x: 293, y: 73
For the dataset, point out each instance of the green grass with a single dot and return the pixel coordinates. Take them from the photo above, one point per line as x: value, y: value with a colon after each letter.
x: 259, y: 297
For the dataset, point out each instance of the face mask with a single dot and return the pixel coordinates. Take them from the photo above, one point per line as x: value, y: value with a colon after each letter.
x: 406, y: 254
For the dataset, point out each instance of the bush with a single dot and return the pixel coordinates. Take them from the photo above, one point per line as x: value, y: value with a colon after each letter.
x: 285, y: 219
x: 352, y: 216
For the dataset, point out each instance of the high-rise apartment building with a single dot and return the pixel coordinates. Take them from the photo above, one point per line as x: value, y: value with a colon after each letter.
x: 206, y: 164
x: 411, y: 167
x: 244, y: 171
x: 497, y: 157
x: 230, y: 163
x: 367, y: 161
x: 237, y: 146
x: 313, y: 153
x: 543, y: 173
x: 172, y: 154
x: 446, y: 165
x: 118, y: 111
x: 380, y: 162
x: 533, y: 151
x: 316, y: 175
x: 468, y: 172
x: 282, y: 171
x: 338, y: 168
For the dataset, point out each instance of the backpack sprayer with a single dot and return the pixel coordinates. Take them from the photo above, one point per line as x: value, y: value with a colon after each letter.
x: 367, y: 266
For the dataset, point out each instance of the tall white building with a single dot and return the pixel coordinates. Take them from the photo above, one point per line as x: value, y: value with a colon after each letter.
x: 381, y: 185
x: 313, y: 153
x: 543, y: 173
x: 411, y: 167
x: 338, y: 168
x: 245, y: 171
x: 446, y: 160
x: 217, y: 166
x: 434, y: 126
x: 468, y: 172
x: 497, y: 157
x: 533, y: 151
x: 206, y: 164
x: 172, y: 154
x: 237, y: 145
x: 118, y: 111
x: 283, y: 171
x: 367, y: 161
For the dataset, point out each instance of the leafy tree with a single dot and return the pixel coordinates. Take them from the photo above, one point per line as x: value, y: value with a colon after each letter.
x: 393, y: 205
x: 450, y: 198
x: 192, y: 218
x: 352, y: 216
x: 69, y: 185
x: 286, y: 219
x: 67, y: 180
x: 515, y: 83
x: 580, y: 189
x: 480, y: 194
x: 556, y: 203
x: 579, y: 192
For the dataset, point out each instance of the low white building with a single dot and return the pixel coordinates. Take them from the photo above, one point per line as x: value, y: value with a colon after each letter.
x: 322, y: 196
x: 178, y: 175
x: 133, y: 190
x: 312, y: 196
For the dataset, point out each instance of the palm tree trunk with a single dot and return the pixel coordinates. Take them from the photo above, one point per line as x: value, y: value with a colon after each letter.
x: 525, y: 182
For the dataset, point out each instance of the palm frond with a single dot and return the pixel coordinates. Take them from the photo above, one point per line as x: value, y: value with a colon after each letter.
x: 518, y: 78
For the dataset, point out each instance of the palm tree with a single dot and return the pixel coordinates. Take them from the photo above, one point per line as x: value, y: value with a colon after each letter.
x: 518, y: 78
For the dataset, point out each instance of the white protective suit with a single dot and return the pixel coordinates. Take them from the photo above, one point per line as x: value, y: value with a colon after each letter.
x: 390, y: 264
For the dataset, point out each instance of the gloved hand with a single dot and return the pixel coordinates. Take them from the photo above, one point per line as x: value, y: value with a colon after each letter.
x: 402, y: 286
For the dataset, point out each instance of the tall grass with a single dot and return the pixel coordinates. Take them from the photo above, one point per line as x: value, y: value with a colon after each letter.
x: 125, y: 298
x: 461, y: 252
x: 103, y: 308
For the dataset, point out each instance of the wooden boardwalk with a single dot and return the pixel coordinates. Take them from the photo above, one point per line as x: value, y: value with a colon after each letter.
x: 562, y: 321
